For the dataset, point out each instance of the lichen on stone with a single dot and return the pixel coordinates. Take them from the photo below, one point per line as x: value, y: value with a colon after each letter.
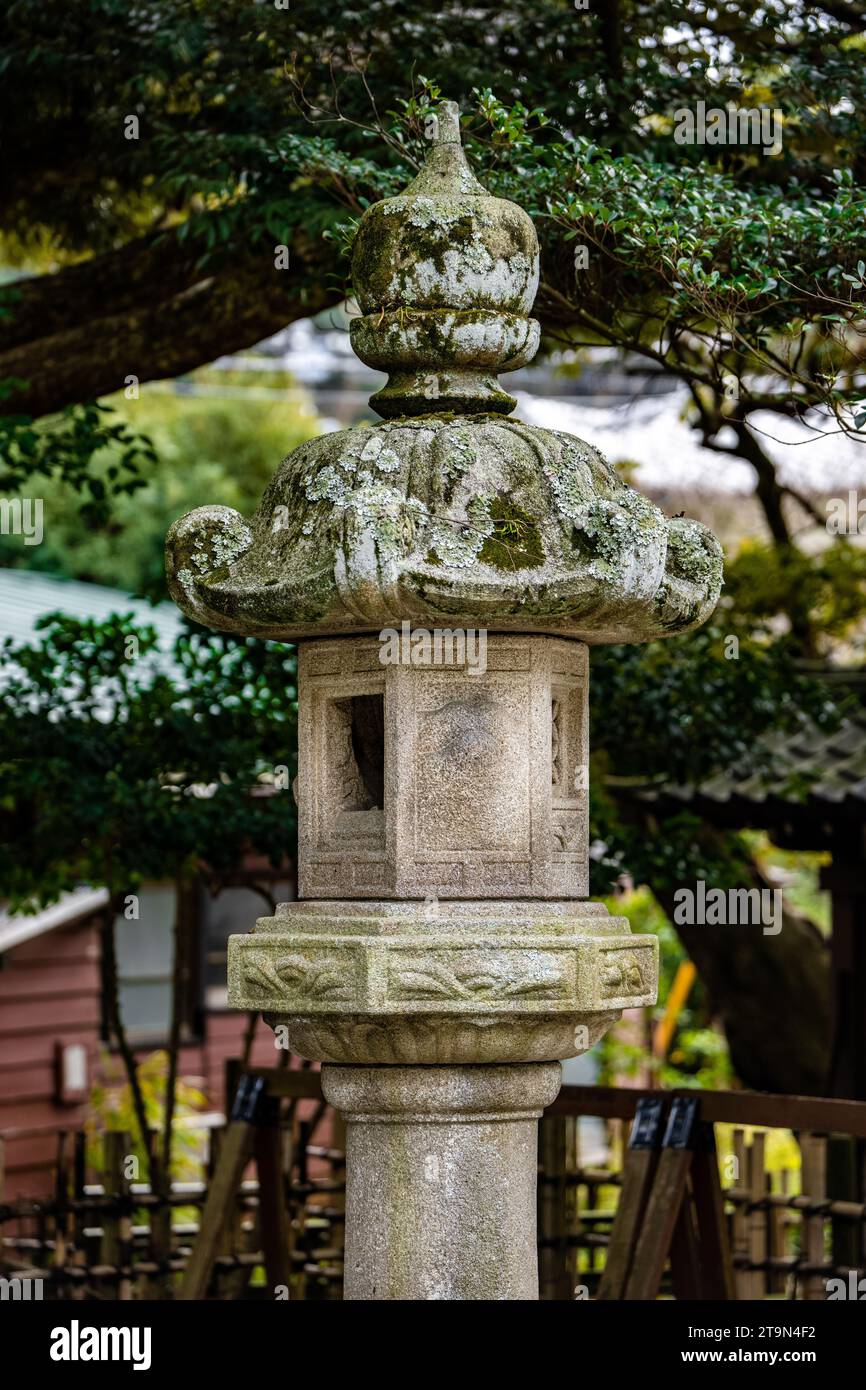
x: 456, y: 455
x: 570, y: 479
x: 458, y: 542
x: 477, y: 257
x: 693, y: 554
x: 615, y: 529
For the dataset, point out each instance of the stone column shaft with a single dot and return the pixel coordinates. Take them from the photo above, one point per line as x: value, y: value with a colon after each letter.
x: 441, y: 1179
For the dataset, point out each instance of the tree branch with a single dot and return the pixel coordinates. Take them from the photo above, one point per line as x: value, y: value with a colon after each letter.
x: 147, y: 311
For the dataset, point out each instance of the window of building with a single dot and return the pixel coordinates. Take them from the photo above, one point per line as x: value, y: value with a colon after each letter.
x: 145, y: 962
x: 234, y: 910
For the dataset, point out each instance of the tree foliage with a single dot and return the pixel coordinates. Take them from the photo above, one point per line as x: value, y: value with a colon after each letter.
x: 118, y: 768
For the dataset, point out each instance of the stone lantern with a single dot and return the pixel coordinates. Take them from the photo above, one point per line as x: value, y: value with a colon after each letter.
x: 442, y: 958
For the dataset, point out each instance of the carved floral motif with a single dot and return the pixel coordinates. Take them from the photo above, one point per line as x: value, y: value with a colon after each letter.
x: 429, y: 1040
x: 325, y: 978
x: 436, y: 977
x: 622, y: 975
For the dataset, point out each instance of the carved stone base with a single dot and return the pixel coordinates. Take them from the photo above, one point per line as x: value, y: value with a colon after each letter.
x: 436, y: 1038
x: 441, y: 1179
x: 448, y: 982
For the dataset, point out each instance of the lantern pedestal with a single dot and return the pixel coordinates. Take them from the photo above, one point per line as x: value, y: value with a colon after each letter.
x: 441, y: 1172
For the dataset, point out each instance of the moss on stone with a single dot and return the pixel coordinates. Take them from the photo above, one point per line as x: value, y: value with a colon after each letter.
x: 516, y: 540
x: 418, y: 249
x: 447, y: 507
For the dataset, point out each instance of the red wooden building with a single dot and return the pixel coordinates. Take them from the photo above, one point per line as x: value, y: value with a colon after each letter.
x: 53, y: 1036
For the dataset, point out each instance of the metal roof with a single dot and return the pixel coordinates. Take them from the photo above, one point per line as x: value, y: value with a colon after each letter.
x: 82, y: 902
x: 26, y: 595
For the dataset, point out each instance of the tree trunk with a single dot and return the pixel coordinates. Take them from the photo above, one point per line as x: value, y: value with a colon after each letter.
x: 148, y: 311
x: 771, y: 994
x: 118, y: 1029
x: 179, y: 993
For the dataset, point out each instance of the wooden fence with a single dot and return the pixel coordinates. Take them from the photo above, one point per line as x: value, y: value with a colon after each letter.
x: 118, y: 1239
x: 793, y: 1225
x: 791, y: 1229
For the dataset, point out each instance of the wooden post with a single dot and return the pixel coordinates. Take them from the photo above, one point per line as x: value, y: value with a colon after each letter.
x: 672, y: 1210
x: 638, y: 1170
x: 739, y: 1222
x: 61, y: 1200
x: 274, y: 1218
x: 79, y: 1223
x: 667, y: 1196
x: 685, y: 1257
x: 843, y: 1182
x: 116, y: 1248
x: 777, y: 1280
x: 554, y: 1261
x: 757, y: 1220
x: 159, y: 1218
x: 230, y: 1283
x: 813, y: 1150
x: 236, y: 1151
x: 717, y: 1269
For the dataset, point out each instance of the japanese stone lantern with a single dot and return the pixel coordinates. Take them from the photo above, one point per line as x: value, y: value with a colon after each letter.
x: 442, y: 958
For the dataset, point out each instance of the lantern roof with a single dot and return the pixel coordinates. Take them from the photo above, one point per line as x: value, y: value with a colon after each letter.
x: 450, y: 512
